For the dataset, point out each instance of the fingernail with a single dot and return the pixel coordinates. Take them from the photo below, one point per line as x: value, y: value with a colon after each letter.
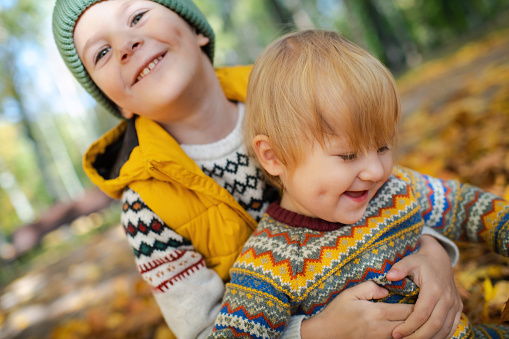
x: 396, y: 336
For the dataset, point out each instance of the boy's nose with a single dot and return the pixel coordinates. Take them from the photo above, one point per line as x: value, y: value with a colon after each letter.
x: 128, y: 49
x: 373, y: 169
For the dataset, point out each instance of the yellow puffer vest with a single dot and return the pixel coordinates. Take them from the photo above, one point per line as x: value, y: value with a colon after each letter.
x: 176, y: 189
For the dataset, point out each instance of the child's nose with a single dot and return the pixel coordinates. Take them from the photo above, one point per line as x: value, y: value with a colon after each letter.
x: 373, y: 169
x: 128, y: 50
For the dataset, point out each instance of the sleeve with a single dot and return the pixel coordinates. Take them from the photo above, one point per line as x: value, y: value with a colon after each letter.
x: 252, y: 307
x: 292, y: 331
x: 450, y: 247
x: 188, y: 293
x: 463, y: 212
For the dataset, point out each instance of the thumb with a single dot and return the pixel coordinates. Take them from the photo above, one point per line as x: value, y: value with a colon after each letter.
x: 400, y: 270
x: 367, y: 291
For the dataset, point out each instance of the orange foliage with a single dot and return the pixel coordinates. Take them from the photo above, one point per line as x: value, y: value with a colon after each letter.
x: 462, y: 131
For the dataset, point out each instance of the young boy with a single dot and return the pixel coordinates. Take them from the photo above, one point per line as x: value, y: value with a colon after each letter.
x: 190, y: 194
x: 321, y: 118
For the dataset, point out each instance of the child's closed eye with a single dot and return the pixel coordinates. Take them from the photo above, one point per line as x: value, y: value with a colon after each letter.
x: 348, y: 156
x: 353, y: 156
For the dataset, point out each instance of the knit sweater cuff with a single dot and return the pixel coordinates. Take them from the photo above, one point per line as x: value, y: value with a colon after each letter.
x: 298, y: 220
x: 449, y: 246
x: 292, y: 331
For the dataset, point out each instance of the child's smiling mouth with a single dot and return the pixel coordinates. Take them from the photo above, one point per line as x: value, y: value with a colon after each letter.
x: 357, y: 195
x: 145, y: 71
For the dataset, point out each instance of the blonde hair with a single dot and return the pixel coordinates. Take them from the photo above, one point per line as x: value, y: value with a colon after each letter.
x: 311, y: 85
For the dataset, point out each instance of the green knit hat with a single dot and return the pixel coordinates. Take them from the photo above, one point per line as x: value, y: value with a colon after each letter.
x: 67, y: 12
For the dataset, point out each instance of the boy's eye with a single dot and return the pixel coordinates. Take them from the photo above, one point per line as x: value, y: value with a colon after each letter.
x: 383, y: 149
x: 348, y: 157
x: 101, y: 54
x: 137, y: 18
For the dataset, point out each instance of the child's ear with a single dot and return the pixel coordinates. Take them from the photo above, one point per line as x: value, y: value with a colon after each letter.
x: 266, y: 155
x: 125, y: 113
x: 202, y: 39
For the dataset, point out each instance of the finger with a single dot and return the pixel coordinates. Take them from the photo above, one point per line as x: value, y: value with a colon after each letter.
x: 395, y: 312
x: 457, y: 319
x: 418, y: 318
x: 442, y: 322
x: 438, y: 325
x: 384, y: 329
x: 446, y: 328
x: 401, y: 269
x: 366, y: 291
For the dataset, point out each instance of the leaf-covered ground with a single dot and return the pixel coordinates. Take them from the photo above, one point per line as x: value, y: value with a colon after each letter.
x: 456, y: 125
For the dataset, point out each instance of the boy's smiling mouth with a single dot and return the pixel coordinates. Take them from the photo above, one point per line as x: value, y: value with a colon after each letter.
x: 146, y: 70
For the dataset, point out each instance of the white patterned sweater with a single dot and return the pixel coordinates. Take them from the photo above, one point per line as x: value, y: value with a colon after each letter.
x: 187, y: 292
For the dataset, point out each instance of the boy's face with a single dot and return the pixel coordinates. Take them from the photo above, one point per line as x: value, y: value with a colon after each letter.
x: 334, y: 183
x: 142, y: 55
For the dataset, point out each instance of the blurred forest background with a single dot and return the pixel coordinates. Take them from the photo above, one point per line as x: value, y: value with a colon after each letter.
x: 61, y: 250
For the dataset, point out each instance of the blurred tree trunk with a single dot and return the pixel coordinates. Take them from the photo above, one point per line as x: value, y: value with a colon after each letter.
x: 12, y: 91
x: 282, y: 16
x: 17, y: 197
x: 402, y: 33
x: 456, y: 12
x: 225, y: 8
x: 391, y: 51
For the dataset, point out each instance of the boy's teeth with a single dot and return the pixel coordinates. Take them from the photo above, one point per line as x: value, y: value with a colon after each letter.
x: 150, y: 67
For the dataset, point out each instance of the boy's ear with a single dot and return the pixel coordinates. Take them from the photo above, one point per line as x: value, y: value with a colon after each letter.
x: 202, y: 39
x: 125, y: 113
x: 266, y: 155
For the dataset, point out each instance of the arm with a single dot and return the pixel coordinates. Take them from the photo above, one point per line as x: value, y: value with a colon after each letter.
x: 187, y: 293
x: 438, y: 307
x: 458, y: 212
x: 251, y: 307
x: 464, y: 212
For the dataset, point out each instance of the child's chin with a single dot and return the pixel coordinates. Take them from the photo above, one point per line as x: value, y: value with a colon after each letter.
x: 348, y: 220
x: 352, y: 222
x: 351, y: 219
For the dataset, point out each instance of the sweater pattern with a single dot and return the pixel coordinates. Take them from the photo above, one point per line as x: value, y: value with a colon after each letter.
x: 298, y: 262
x: 285, y: 270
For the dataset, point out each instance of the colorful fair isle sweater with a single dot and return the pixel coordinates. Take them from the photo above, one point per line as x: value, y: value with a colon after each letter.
x: 188, y: 292
x: 294, y: 264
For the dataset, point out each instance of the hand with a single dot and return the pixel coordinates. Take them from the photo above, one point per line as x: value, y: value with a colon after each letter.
x: 352, y: 315
x: 438, y: 308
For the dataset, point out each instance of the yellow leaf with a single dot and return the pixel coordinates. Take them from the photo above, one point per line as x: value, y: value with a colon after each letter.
x: 489, y: 291
x: 505, y: 313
